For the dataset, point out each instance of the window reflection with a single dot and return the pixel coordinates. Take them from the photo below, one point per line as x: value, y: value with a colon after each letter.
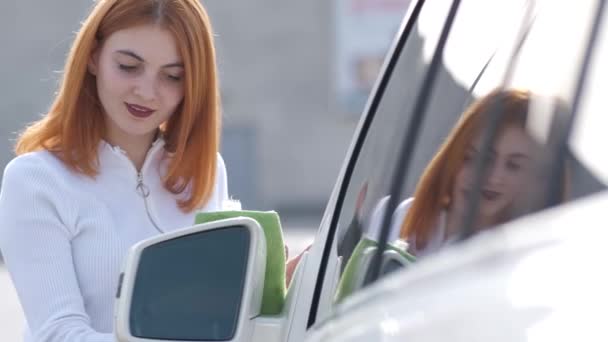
x: 445, y: 187
x: 515, y: 180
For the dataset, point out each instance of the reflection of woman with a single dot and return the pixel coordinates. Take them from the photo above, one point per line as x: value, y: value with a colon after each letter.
x: 128, y: 150
x: 442, y: 193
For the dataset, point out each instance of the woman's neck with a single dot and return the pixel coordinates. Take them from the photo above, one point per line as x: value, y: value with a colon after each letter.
x: 455, y: 220
x: 136, y: 148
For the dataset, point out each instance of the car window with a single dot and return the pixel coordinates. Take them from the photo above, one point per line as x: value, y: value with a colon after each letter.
x: 468, y: 52
x: 446, y: 195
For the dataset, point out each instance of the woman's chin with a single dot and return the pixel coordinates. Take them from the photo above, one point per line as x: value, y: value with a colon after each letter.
x: 490, y: 216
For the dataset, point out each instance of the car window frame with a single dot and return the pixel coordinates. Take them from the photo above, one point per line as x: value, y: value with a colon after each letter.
x: 407, y: 26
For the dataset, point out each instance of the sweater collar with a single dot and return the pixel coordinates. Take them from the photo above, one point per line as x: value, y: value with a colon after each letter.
x: 154, y: 152
x: 156, y: 145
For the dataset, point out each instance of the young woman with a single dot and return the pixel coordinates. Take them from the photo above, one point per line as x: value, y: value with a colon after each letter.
x: 128, y: 149
x: 442, y: 195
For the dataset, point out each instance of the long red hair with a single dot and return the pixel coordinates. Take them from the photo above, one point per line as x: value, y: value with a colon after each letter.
x: 74, y: 125
x: 435, y: 186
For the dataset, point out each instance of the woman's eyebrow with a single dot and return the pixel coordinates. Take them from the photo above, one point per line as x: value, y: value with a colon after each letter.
x: 519, y: 155
x: 174, y: 65
x: 139, y: 58
x: 130, y: 54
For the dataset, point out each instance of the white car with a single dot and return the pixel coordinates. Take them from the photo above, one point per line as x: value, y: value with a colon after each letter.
x: 535, y: 278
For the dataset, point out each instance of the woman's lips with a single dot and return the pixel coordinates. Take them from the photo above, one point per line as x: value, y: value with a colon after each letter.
x: 485, y: 194
x: 139, y: 111
x: 490, y: 195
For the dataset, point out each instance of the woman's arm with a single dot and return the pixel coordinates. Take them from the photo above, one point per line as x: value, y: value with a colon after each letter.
x: 224, y: 202
x: 36, y: 243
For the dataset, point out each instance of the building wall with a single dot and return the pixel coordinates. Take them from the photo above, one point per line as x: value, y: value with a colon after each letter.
x: 275, y: 61
x: 34, y: 38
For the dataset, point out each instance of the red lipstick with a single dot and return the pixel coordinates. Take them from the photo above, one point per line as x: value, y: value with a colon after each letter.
x: 139, y: 111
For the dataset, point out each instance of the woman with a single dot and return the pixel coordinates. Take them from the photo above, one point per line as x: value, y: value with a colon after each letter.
x: 442, y: 195
x: 128, y: 149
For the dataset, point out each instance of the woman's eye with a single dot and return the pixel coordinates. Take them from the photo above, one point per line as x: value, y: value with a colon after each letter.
x: 127, y: 68
x: 512, y: 166
x: 174, y: 78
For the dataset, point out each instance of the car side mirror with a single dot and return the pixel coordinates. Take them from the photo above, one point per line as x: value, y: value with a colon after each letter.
x: 202, y: 283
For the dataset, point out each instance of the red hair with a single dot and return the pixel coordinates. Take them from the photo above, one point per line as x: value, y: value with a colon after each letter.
x: 74, y: 125
x: 437, y: 180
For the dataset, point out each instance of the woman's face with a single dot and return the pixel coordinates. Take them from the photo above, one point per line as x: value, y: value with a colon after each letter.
x: 510, y: 172
x: 139, y: 74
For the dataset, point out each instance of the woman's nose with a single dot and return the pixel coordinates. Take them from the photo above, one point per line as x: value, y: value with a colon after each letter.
x: 495, y: 174
x: 146, y: 89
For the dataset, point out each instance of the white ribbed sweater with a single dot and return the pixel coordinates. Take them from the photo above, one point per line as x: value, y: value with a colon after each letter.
x: 64, y: 235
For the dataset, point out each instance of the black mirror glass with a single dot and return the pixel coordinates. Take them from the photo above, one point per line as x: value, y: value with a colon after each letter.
x: 190, y: 288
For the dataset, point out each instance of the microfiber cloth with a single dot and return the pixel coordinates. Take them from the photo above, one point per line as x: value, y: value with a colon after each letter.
x: 273, y: 297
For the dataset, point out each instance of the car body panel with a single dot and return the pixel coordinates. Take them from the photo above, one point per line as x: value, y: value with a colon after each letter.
x: 534, y: 279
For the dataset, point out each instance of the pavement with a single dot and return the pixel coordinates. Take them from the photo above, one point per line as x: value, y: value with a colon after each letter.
x: 298, y: 235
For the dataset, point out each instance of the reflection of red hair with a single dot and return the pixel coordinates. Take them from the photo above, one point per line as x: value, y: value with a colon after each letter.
x: 74, y: 125
x: 438, y: 178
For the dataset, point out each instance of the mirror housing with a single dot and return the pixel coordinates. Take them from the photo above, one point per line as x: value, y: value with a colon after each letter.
x: 202, y: 283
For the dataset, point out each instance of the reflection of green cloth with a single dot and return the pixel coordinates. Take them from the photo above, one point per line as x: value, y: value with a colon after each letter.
x: 356, y: 264
x: 347, y: 244
x: 274, y: 279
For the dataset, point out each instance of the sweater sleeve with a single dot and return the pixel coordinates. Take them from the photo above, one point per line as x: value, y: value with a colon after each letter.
x: 35, y: 239
x: 221, y: 188
x: 221, y: 180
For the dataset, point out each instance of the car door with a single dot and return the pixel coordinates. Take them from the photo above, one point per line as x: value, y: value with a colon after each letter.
x: 510, y: 284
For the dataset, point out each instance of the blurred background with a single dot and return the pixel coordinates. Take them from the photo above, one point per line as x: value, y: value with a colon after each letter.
x: 294, y: 76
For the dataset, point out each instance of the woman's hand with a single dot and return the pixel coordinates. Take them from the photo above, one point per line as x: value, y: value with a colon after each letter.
x: 291, y: 265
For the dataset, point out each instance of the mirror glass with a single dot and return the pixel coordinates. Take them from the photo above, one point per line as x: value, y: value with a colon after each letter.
x: 190, y: 287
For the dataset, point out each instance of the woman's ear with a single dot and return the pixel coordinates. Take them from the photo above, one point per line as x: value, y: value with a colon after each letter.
x: 93, y: 63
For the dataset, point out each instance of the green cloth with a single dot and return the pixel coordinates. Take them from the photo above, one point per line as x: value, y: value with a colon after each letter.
x: 346, y: 285
x: 273, y: 297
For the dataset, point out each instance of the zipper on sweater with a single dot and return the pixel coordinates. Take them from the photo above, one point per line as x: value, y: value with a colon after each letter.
x: 142, y: 189
x: 144, y: 192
